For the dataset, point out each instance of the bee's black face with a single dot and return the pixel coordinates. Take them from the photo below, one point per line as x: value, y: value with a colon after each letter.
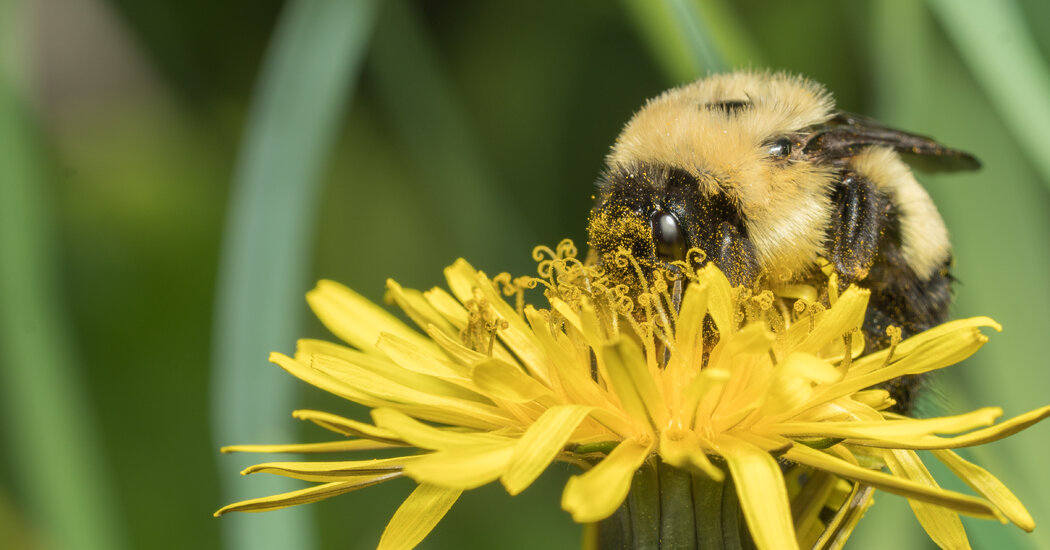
x: 658, y: 214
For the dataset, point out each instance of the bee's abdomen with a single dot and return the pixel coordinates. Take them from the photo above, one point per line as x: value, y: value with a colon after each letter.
x: 900, y: 298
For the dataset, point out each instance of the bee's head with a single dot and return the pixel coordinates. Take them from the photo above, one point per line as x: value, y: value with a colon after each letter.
x: 658, y: 214
x: 719, y: 165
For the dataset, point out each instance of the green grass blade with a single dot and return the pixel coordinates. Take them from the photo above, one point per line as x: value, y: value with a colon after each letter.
x: 432, y: 126
x: 900, y: 47
x: 305, y: 85
x: 51, y: 438
x: 691, y: 38
x: 993, y: 39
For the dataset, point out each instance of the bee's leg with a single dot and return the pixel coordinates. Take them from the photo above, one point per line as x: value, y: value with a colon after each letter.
x: 859, y: 213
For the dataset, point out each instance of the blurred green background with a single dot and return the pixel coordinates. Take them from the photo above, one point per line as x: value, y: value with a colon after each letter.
x: 174, y: 175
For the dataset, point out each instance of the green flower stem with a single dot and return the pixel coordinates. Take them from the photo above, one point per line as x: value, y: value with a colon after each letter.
x: 615, y: 532
x: 671, y: 508
x: 707, y: 510
x: 734, y: 531
x: 644, y: 505
x: 677, y: 517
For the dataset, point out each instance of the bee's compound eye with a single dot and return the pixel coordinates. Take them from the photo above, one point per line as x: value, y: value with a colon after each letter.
x: 668, y: 237
x: 779, y: 149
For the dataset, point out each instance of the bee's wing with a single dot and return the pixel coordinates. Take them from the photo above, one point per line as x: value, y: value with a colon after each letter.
x: 846, y: 134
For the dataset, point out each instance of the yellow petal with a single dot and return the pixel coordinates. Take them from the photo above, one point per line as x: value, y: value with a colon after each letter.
x: 303, y: 371
x: 703, y: 390
x: 763, y: 497
x: 808, y: 503
x: 544, y: 439
x: 745, y: 356
x: 950, y: 330
x: 454, y: 347
x: 838, y: 530
x: 476, y: 412
x: 731, y: 414
x: 463, y: 468
x: 988, y: 485
x: 507, y: 382
x: 347, y: 426
x: 974, y: 438
x: 590, y: 325
x: 958, y: 331
x: 413, y: 359
x: 348, y: 445
x: 596, y: 494
x: 418, y: 308
x: 808, y: 532
x: 688, y: 339
x: 307, y: 351
x: 793, y: 379
x: 964, y: 504
x: 1001, y: 430
x: 463, y: 279
x: 773, y: 445
x: 721, y: 301
x: 303, y: 496
x: 417, y: 516
x: 443, y: 415
x: 810, y: 368
x: 355, y: 319
x: 942, y: 525
x: 891, y: 430
x: 555, y: 346
x: 629, y: 377
x: 876, y: 399
x: 752, y: 339
x: 937, y: 354
x: 461, y: 354
x: 843, y: 317
x: 682, y: 449
x: 347, y: 470
x: 571, y: 365
x: 425, y: 436
x: 689, y: 329
x: 584, y: 320
x: 934, y: 354
x: 448, y: 306
x: 796, y: 292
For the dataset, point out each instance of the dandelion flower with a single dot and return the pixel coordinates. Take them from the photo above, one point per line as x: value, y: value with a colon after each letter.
x: 767, y: 393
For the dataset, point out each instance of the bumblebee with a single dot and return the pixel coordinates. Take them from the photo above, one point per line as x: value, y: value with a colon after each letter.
x: 762, y: 173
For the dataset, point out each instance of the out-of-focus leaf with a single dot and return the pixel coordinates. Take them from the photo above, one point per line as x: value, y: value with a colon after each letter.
x: 301, y: 94
x: 189, y: 44
x: 48, y: 418
x: 437, y: 137
x: 997, y: 45
x: 691, y: 38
